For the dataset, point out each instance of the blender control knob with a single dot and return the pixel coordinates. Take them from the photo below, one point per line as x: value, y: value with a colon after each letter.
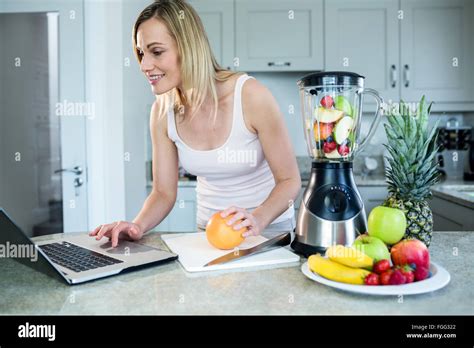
x: 335, y: 201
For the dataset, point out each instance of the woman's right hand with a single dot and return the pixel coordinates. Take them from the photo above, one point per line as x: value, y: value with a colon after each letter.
x: 118, y: 230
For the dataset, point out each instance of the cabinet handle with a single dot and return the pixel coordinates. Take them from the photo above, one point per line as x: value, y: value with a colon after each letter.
x: 407, y: 75
x: 394, y: 76
x: 76, y: 170
x: 279, y: 64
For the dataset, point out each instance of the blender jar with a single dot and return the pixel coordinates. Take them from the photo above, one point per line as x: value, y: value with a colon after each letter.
x: 331, y: 105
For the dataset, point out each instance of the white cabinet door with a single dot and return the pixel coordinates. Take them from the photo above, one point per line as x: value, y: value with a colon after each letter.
x: 362, y: 36
x: 437, y: 50
x: 279, y: 35
x: 182, y: 217
x: 218, y: 21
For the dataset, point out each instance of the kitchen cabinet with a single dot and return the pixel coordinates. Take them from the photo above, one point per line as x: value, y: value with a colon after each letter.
x: 218, y: 20
x: 182, y: 217
x: 449, y: 216
x: 405, y: 49
x: 437, y: 50
x: 362, y: 36
x: 372, y: 196
x: 279, y: 35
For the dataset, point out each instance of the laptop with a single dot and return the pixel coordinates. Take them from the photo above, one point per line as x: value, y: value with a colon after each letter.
x: 76, y: 257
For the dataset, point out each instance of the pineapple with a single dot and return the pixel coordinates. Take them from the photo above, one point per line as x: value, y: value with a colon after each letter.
x: 413, y: 170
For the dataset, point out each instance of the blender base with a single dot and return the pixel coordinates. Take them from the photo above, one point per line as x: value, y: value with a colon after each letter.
x: 306, y: 250
x: 331, y: 211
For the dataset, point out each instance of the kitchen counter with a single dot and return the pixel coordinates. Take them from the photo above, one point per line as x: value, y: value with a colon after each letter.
x: 361, y: 180
x: 449, y: 191
x: 167, y: 289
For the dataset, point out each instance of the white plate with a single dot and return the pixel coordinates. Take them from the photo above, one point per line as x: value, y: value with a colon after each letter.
x: 439, y: 278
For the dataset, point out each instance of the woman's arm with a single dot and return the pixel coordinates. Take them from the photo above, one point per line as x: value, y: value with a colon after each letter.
x: 263, y: 115
x: 162, y: 198
x: 165, y: 174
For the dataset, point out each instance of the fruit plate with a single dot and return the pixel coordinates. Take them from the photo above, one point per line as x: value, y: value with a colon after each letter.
x: 439, y: 278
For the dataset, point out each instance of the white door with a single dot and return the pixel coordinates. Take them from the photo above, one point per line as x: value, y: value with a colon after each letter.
x: 362, y: 37
x: 437, y: 50
x: 43, y: 107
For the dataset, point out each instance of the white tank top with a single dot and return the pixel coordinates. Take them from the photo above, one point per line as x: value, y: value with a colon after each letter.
x: 234, y: 174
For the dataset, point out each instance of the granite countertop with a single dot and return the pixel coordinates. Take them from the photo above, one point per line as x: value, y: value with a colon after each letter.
x: 182, y: 182
x: 361, y: 180
x: 460, y: 192
x: 168, y: 289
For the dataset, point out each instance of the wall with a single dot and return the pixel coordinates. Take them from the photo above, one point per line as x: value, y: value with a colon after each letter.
x: 104, y: 76
x: 137, y: 101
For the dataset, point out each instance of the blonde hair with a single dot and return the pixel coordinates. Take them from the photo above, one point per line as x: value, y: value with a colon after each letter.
x: 199, y: 68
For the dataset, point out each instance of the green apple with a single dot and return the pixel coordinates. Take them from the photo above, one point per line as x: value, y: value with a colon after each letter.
x: 341, y: 103
x: 342, y: 129
x: 328, y: 115
x: 373, y: 247
x: 387, y: 224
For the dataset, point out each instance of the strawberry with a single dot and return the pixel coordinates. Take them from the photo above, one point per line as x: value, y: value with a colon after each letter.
x: 381, y: 266
x: 327, y: 102
x: 407, y: 271
x: 397, y: 278
x: 343, y: 150
x: 385, y: 277
x: 421, y: 273
x: 372, y: 279
x: 329, y: 146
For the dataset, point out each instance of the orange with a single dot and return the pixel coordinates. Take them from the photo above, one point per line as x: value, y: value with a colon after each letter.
x: 221, y: 235
x: 322, y: 130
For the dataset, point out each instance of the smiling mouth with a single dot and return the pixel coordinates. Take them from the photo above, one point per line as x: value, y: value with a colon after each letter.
x: 155, y: 78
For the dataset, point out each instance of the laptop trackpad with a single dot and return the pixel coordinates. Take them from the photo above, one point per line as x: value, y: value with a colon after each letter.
x: 125, y: 248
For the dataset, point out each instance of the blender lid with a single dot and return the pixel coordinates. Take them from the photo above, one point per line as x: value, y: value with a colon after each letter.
x: 328, y: 78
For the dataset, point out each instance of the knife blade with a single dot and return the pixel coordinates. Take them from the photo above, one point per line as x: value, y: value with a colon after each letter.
x: 276, y: 242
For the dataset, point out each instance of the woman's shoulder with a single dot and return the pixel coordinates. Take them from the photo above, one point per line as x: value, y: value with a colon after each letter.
x: 258, y: 103
x: 158, y: 115
x: 255, y: 95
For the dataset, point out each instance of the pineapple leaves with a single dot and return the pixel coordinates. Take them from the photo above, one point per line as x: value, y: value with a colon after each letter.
x: 412, y: 148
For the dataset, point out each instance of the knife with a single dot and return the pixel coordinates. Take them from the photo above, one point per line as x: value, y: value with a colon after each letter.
x: 276, y: 242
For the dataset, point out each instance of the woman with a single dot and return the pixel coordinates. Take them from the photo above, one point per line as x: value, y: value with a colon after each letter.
x: 222, y: 126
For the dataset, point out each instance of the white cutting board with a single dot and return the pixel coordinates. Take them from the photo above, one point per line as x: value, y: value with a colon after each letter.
x: 194, y: 252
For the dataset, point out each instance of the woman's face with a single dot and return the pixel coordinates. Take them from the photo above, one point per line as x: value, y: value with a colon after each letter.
x: 159, y: 54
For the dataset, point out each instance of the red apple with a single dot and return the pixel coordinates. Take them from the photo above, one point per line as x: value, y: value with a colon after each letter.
x: 410, y: 251
x: 327, y: 102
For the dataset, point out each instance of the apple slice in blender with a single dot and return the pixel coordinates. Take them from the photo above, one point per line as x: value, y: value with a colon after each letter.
x: 328, y: 115
x: 333, y: 154
x: 342, y: 104
x: 342, y: 129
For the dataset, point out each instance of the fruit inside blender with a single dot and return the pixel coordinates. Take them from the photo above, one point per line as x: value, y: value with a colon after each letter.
x: 333, y: 126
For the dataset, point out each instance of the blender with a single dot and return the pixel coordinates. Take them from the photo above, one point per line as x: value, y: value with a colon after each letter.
x: 332, y: 211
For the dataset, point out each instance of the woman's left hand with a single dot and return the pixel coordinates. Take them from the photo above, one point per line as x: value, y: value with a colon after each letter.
x: 247, y: 220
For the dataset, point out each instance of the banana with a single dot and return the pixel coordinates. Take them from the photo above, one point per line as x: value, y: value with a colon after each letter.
x: 349, y: 257
x: 335, y: 271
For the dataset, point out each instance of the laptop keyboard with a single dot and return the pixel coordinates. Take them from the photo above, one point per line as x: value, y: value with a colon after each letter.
x: 75, y: 257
